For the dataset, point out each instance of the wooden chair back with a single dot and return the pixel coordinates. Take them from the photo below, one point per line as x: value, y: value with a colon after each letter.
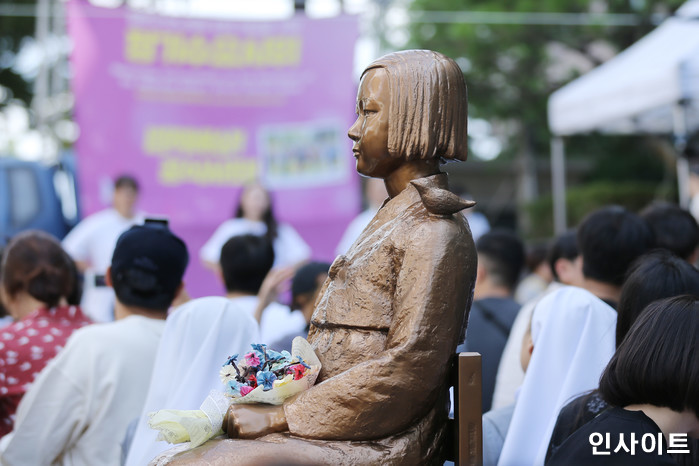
x: 465, y: 439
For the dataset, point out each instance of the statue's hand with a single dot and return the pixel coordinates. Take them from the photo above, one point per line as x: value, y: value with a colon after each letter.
x: 253, y: 421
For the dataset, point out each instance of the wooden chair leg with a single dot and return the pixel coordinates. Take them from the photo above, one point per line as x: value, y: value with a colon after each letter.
x: 467, y: 411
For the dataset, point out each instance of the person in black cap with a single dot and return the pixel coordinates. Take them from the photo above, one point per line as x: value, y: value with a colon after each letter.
x: 305, y: 286
x: 80, y: 406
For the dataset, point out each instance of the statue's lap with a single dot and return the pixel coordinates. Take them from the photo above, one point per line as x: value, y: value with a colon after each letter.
x: 277, y: 449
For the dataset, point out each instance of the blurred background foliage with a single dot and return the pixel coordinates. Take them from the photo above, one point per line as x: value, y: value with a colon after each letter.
x: 14, y: 31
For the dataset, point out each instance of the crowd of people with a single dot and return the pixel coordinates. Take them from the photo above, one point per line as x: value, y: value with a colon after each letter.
x: 595, y: 331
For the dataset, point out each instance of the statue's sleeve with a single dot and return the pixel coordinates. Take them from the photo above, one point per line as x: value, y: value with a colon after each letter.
x: 387, y: 394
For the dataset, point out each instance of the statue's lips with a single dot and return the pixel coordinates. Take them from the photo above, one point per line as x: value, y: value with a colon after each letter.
x: 355, y: 152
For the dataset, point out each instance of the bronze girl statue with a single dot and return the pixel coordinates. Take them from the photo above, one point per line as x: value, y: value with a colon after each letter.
x: 392, y: 310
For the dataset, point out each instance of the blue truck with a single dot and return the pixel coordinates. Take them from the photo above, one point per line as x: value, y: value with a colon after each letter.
x: 39, y: 196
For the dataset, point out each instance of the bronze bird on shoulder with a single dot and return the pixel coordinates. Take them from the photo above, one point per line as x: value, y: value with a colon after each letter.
x: 440, y: 201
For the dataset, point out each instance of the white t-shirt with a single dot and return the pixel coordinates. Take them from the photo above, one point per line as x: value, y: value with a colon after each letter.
x: 289, y: 247
x: 79, y: 407
x: 276, y: 322
x: 93, y: 241
x: 197, y: 339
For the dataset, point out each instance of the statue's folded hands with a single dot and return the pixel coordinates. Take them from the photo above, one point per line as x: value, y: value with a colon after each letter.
x: 253, y: 421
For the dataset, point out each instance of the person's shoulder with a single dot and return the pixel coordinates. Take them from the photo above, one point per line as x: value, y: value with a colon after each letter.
x: 573, y: 295
x: 206, y: 306
x: 241, y: 226
x: 285, y: 229
x: 500, y: 418
x: 568, y: 291
x: 90, y: 334
x: 90, y: 224
x: 107, y: 330
x: 275, y: 308
x: 104, y: 215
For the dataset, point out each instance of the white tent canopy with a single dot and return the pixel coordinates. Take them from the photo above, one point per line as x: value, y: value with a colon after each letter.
x: 637, y: 91
x: 651, y: 87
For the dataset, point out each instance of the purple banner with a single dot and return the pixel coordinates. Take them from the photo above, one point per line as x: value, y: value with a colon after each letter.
x: 196, y: 108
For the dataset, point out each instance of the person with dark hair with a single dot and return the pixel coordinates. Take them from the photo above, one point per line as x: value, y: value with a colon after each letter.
x: 500, y: 261
x: 37, y: 278
x: 657, y: 275
x: 307, y: 283
x: 675, y: 229
x: 91, y: 244
x: 538, y: 273
x: 610, y: 239
x: 5, y: 317
x: 652, y: 383
x: 255, y: 215
x: 561, y: 259
x: 81, y: 404
x: 246, y: 263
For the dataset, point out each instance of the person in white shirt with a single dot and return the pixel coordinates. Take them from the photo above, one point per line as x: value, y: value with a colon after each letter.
x: 246, y: 262
x: 80, y: 405
x: 609, y: 240
x: 375, y: 192
x: 91, y: 244
x: 198, y: 337
x: 255, y: 216
x: 565, y: 270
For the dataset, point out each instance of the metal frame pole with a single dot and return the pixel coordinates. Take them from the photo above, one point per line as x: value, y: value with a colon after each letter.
x: 558, y: 185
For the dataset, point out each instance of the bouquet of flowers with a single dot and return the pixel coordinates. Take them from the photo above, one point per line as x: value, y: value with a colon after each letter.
x: 261, y: 376
x: 266, y: 376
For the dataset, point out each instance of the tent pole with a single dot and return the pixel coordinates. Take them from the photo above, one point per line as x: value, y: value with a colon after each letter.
x: 558, y: 184
x: 683, y: 181
x: 680, y: 140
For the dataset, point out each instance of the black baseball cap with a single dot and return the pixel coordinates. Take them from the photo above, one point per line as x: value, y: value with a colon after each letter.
x: 305, y: 279
x: 148, y: 264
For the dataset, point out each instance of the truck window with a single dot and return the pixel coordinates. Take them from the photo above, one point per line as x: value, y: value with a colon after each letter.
x: 25, y: 201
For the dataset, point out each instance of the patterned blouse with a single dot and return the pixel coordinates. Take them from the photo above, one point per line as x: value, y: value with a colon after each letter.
x: 26, y: 346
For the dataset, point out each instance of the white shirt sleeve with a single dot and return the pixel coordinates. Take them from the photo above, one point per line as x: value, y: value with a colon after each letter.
x: 289, y: 247
x: 211, y: 251
x: 50, y: 417
x: 77, y: 242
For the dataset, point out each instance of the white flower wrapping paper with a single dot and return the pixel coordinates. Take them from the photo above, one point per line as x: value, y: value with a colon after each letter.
x: 198, y: 426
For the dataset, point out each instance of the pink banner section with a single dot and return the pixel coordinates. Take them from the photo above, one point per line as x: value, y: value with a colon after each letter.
x: 197, y: 108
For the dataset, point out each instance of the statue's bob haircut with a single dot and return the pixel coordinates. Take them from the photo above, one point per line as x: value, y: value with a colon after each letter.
x: 429, y: 105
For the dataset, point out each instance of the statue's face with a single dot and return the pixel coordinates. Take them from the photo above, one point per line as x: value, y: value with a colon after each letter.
x: 370, y: 131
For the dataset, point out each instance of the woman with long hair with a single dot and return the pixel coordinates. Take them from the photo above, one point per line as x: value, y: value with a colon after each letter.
x: 255, y: 215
